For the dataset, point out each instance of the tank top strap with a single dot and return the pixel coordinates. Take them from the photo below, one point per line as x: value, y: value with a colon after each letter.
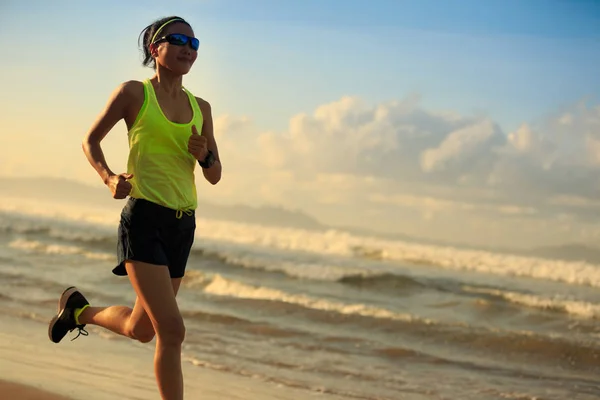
x: 193, y: 102
x: 149, y: 89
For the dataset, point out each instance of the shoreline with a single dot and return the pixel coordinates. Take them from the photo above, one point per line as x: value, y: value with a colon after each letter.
x: 101, y: 366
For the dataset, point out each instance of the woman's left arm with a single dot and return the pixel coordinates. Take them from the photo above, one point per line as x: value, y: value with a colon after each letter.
x: 213, y: 173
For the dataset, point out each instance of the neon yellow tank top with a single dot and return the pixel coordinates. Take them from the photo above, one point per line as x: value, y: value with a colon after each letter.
x: 162, y: 166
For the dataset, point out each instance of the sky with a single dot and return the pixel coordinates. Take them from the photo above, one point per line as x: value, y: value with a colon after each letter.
x: 470, y: 121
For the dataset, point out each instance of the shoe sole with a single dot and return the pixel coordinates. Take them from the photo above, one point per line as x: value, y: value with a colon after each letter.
x: 62, y: 303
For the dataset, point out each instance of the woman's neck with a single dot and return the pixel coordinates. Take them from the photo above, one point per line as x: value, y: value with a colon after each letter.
x: 167, y: 82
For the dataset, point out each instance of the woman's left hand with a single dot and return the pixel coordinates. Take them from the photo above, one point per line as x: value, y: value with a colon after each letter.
x: 197, y: 145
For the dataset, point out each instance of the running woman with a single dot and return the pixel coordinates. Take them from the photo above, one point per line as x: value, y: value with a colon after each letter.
x: 169, y: 131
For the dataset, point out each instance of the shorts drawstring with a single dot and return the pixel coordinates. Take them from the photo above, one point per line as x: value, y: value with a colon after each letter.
x: 180, y: 212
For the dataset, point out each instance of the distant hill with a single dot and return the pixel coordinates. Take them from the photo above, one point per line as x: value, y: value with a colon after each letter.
x: 263, y: 215
x: 54, y: 189
x: 63, y: 190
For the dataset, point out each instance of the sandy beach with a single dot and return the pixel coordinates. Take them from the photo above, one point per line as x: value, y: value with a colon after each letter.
x: 93, y: 368
x: 11, y: 390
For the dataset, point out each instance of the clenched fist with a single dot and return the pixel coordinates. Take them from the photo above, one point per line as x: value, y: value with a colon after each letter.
x: 119, y: 186
x: 197, y: 145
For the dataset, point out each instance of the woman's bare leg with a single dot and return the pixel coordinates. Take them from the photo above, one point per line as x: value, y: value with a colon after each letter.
x: 131, y: 322
x: 152, y: 284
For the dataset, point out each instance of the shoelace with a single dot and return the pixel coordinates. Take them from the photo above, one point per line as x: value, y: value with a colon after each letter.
x: 82, y: 331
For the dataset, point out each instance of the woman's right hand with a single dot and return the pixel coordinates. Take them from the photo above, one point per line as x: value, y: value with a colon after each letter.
x: 119, y: 186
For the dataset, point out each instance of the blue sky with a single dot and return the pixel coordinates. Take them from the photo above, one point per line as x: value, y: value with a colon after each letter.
x: 514, y: 62
x: 550, y: 18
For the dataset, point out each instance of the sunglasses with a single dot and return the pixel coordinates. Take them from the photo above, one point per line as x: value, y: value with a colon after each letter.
x: 179, y: 39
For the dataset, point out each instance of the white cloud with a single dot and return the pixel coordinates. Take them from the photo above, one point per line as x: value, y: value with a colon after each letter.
x: 462, y: 149
x: 348, y: 160
x: 559, y: 155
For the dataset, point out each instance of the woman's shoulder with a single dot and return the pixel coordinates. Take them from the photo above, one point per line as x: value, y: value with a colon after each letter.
x: 203, y: 104
x: 127, y: 92
x: 128, y: 98
x: 132, y: 89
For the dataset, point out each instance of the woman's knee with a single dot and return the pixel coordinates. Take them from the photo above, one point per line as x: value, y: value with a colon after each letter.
x: 171, y: 330
x: 142, y: 332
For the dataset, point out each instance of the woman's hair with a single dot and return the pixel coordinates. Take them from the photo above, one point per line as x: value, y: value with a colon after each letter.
x: 145, y: 39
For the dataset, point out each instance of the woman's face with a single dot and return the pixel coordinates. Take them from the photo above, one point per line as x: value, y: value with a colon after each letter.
x: 175, y: 48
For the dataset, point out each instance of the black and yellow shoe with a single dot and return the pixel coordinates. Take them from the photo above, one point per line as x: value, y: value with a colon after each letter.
x: 70, y: 306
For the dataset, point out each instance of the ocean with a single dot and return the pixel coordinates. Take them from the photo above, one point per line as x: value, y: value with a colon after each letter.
x: 333, y: 312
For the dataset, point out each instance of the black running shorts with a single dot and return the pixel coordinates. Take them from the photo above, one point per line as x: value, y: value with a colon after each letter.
x: 154, y: 234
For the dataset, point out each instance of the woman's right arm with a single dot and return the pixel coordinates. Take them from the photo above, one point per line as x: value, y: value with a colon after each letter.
x: 116, y: 109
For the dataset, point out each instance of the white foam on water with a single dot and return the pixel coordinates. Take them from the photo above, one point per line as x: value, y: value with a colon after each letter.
x: 34, y: 246
x: 560, y: 303
x: 220, y: 286
x: 334, y: 242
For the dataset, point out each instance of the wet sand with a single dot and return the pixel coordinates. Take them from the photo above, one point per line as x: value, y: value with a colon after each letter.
x: 16, y: 391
